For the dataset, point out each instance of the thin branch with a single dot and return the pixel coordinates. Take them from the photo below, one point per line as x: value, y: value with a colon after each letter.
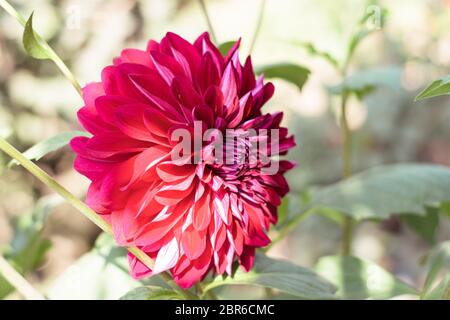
x: 18, y: 281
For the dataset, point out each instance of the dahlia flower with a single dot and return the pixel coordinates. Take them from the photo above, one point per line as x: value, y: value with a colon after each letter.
x: 191, y: 217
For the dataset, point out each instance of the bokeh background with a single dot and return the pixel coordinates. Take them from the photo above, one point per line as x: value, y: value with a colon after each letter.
x: 36, y: 102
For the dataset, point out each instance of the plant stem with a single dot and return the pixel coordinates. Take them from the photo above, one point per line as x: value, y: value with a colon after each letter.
x: 258, y: 25
x: 18, y: 281
x: 83, y: 208
x: 208, y: 20
x: 347, y: 235
x: 347, y: 168
x: 346, y: 140
x: 53, y: 56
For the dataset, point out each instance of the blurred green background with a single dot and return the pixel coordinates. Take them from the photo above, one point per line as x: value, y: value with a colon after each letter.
x: 36, y: 102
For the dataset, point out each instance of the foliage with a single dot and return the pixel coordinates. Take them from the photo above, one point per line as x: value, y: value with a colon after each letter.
x: 360, y: 279
x: 386, y: 190
x: 289, y: 72
x: 437, y: 88
x: 281, y: 275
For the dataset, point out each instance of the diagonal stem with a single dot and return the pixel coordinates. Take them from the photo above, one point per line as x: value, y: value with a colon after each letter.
x: 18, y: 281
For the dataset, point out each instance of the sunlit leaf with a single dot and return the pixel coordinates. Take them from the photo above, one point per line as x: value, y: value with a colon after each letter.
x: 437, y: 88
x: 281, y: 275
x: 364, y: 82
x: 54, y: 143
x: 360, y: 279
x: 385, y: 190
x: 33, y: 44
x: 151, y: 293
x: 289, y: 72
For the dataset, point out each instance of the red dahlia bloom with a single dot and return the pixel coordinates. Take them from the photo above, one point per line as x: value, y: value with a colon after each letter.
x: 191, y: 218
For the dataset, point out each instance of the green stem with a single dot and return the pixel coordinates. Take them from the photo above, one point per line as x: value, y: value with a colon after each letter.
x: 347, y: 168
x: 258, y: 25
x: 53, y: 56
x: 347, y: 235
x: 18, y: 281
x: 83, y: 208
x: 346, y: 135
x: 64, y: 69
x: 208, y: 20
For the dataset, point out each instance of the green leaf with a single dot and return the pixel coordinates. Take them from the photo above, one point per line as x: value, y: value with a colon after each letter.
x: 44, y: 147
x: 425, y: 226
x: 360, y: 279
x: 281, y: 275
x: 438, y: 262
x: 439, y: 87
x: 289, y: 72
x: 33, y: 44
x: 151, y: 293
x: 225, y: 47
x: 364, y: 82
x: 100, y: 274
x: 385, y: 190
